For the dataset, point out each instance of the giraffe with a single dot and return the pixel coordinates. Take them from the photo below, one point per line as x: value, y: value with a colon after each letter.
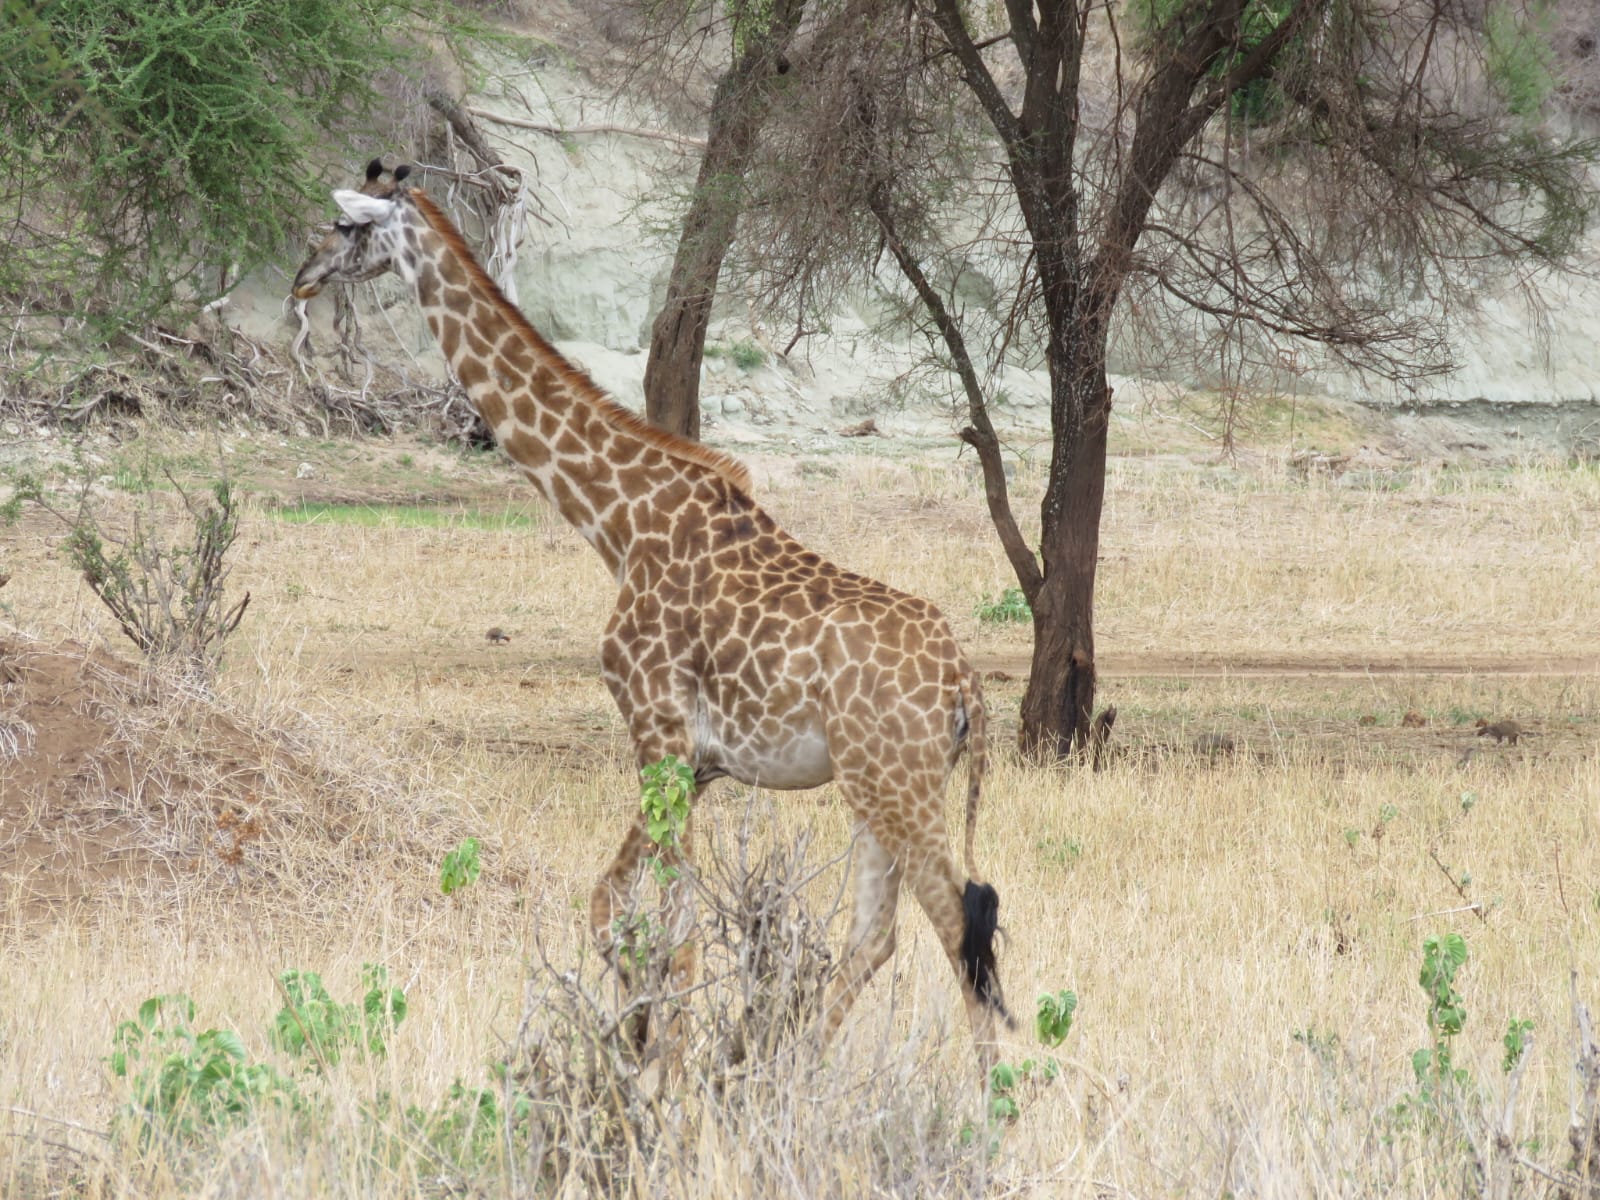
x: 731, y: 646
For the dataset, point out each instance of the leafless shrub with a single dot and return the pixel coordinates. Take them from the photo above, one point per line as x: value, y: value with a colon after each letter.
x: 577, y: 1104
x: 168, y: 598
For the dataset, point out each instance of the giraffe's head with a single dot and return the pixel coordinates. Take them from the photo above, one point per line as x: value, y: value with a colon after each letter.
x: 364, y: 238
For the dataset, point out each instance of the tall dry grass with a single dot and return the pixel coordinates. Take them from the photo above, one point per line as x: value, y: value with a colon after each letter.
x: 1244, y: 932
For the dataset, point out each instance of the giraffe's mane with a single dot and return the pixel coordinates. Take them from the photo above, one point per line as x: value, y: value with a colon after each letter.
x: 575, y: 377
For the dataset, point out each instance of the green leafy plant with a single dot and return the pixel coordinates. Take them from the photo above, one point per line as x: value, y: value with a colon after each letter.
x: 1007, y: 1082
x: 468, y: 1125
x: 1442, y: 957
x: 1167, y: 22
x: 312, y: 1023
x: 1519, y: 1036
x: 460, y: 868
x: 1053, y: 1018
x: 744, y: 354
x: 186, y: 1083
x: 1009, y: 608
x: 1062, y: 851
x: 664, y: 800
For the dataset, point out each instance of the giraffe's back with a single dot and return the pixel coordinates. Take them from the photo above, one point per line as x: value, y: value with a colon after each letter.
x: 796, y: 667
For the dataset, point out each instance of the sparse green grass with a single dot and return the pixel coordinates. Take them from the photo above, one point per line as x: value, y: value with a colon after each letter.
x: 407, y: 516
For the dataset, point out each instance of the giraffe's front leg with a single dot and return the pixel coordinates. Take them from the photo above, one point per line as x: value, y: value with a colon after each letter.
x: 650, y: 952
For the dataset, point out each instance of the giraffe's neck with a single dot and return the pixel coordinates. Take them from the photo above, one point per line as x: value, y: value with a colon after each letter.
x: 600, y: 467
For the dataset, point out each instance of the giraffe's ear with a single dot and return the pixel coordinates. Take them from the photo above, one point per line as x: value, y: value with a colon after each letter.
x: 363, y: 210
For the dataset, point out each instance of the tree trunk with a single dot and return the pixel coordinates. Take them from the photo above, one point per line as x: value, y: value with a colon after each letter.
x: 678, y: 336
x: 1058, y: 706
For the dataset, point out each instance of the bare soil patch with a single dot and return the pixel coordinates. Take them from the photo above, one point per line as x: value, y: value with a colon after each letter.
x: 118, y: 785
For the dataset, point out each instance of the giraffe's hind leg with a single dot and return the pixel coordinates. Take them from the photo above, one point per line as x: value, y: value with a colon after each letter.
x: 904, y: 816
x: 872, y: 935
x: 963, y: 915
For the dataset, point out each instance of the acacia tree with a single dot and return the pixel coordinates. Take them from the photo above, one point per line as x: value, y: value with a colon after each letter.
x: 1259, y: 173
x: 760, y: 33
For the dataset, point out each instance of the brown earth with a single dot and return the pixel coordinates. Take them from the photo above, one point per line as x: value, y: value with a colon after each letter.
x: 116, y: 783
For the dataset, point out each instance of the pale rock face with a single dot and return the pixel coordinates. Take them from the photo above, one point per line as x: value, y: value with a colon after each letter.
x: 592, y: 269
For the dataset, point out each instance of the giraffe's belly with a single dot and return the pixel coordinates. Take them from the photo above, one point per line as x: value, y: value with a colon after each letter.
x: 793, y: 756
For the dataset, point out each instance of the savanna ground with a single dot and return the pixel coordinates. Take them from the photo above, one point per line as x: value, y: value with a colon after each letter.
x: 1243, y: 929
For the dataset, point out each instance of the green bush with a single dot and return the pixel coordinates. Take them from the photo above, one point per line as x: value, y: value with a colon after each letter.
x: 186, y: 1083
x: 154, y: 149
x: 314, y: 1024
x: 1010, y: 607
x: 1518, y: 57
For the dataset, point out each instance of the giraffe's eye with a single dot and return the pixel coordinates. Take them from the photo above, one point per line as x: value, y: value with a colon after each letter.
x: 344, y: 226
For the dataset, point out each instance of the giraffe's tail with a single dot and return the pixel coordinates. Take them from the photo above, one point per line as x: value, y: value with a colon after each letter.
x: 977, y: 764
x: 980, y: 902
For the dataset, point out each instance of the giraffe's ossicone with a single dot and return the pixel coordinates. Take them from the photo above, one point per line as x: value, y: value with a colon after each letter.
x: 732, y: 646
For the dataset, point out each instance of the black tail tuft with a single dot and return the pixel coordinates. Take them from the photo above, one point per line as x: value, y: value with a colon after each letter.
x: 981, y: 905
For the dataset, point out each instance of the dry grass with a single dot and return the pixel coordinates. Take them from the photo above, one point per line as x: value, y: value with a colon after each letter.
x: 1244, y: 932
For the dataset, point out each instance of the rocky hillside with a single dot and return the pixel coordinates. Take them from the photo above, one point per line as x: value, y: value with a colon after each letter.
x: 606, y: 172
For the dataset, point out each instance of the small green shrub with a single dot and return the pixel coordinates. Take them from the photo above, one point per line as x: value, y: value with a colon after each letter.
x: 1436, y: 1072
x: 461, y: 867
x: 1519, y: 1036
x: 1007, y: 1083
x: 1053, y: 1019
x: 1009, y: 608
x: 311, y: 1023
x: 744, y: 354
x: 186, y: 1083
x: 664, y: 800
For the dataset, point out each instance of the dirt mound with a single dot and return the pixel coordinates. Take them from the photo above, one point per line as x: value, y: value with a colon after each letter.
x: 117, y: 784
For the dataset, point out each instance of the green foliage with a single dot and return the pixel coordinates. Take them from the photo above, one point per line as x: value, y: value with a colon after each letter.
x: 461, y: 867
x: 752, y: 20
x: 187, y: 1083
x: 1062, y: 851
x: 744, y: 354
x: 664, y: 800
x: 637, y: 939
x: 152, y: 147
x: 1009, y: 608
x: 1442, y: 957
x: 1053, y: 1020
x: 1165, y: 23
x: 468, y: 1126
x: 1008, y: 1082
x: 1518, y: 56
x: 1519, y: 1035
x: 408, y: 516
x: 313, y: 1024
